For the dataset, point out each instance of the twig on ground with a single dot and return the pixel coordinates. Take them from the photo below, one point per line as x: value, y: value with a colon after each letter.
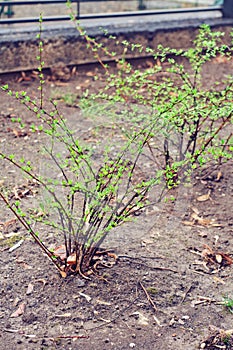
x: 18, y: 331
x: 151, y: 302
x: 186, y: 293
x: 205, y: 300
x: 148, y: 297
x: 21, y: 332
x: 145, y: 265
x: 68, y: 337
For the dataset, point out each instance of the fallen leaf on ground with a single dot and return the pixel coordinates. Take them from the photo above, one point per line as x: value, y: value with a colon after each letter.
x: 63, y: 274
x: 23, y: 264
x: 200, y: 220
x: 195, y: 210
x: 188, y: 223
x: 220, y: 59
x: 72, y: 259
x: 216, y: 257
x: 16, y: 301
x: 29, y: 288
x: 219, y: 176
x: 218, y: 280
x: 217, y: 339
x: 204, y: 197
x: 20, y: 311
x: 9, y: 226
x: 19, y: 133
x: 196, y: 219
x: 60, y: 252
x: 23, y: 77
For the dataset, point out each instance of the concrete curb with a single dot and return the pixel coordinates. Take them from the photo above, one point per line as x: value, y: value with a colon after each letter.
x: 64, y: 45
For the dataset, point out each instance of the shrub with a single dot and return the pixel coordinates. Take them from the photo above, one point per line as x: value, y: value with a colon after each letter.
x: 162, y: 114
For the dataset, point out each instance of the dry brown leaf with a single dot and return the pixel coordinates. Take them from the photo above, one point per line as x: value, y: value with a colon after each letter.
x: 90, y: 74
x: 217, y: 338
x: 215, y: 257
x: 23, y: 77
x: 150, y: 64
x: 204, y: 197
x: 19, y: 133
x: 60, y: 252
x: 16, y: 301
x: 220, y: 59
x: 195, y: 210
x: 196, y: 219
x: 60, y: 83
x: 204, y: 222
x: 73, y: 71
x: 72, y: 259
x: 20, y: 311
x: 23, y: 264
x: 63, y: 274
x: 9, y: 226
x: 219, y: 176
x: 29, y: 289
x: 188, y: 223
x: 218, y: 280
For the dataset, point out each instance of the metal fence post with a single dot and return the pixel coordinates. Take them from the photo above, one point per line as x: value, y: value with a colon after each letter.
x: 8, y: 12
x: 78, y: 10
x: 227, y: 8
x: 141, y: 5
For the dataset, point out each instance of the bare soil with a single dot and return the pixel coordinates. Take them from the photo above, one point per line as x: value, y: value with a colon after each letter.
x: 163, y: 293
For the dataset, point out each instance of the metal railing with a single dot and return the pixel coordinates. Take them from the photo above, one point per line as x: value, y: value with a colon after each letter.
x: 226, y: 8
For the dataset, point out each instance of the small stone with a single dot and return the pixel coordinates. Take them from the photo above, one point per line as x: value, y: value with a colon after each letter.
x: 185, y: 317
x: 132, y: 345
x: 181, y: 321
x: 33, y: 340
x: 80, y: 282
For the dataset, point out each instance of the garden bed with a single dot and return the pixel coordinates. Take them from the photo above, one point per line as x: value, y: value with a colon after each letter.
x: 173, y: 271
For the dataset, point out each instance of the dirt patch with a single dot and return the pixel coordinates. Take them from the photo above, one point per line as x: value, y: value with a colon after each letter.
x: 167, y: 287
